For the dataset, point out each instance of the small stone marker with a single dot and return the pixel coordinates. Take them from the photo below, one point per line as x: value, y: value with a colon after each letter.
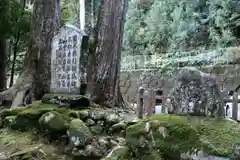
x: 140, y: 102
x: 65, y: 60
x: 235, y: 106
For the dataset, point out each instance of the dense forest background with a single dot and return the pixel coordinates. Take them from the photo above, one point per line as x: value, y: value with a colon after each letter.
x: 160, y: 26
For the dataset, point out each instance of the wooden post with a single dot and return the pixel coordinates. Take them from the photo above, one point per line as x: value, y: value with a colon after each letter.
x: 235, y: 106
x: 163, y: 105
x: 140, y: 102
x: 151, y: 103
x: 146, y: 101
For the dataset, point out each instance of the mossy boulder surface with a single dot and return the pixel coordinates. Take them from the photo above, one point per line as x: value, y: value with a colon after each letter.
x: 117, y: 153
x: 169, y: 136
x: 78, y: 133
x: 53, y: 122
x: 67, y: 100
x: 25, y: 118
x: 10, y: 121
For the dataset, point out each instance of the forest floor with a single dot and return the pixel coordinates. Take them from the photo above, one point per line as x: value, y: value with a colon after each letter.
x: 27, y: 145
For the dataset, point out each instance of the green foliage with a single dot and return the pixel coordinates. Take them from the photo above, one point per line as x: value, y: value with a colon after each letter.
x: 9, y: 12
x: 177, y: 26
x: 70, y: 11
x: 220, y: 31
x: 173, y: 25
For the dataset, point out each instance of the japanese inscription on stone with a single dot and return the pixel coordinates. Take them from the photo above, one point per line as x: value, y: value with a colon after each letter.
x: 65, y: 60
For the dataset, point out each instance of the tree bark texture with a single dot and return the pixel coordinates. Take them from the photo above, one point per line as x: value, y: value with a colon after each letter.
x: 3, y: 64
x: 89, y: 16
x: 36, y: 74
x: 106, y: 61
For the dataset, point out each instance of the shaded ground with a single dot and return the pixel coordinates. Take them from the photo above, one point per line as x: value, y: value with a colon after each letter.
x: 26, y: 145
x: 171, y: 134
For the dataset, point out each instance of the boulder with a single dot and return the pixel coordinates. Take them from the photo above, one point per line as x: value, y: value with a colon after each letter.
x: 24, y: 118
x: 97, y: 129
x: 118, y: 128
x: 72, y: 101
x: 97, y: 115
x: 118, y: 152
x: 91, y: 151
x: 10, y: 121
x: 90, y: 122
x: 113, y: 118
x: 78, y: 133
x: 52, y: 122
x: 84, y: 114
x: 195, y: 93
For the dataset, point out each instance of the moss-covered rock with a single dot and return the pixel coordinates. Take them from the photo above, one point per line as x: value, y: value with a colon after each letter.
x: 84, y: 114
x: 73, y: 114
x: 90, y: 122
x: 112, y: 119
x: 97, y: 115
x: 118, y: 128
x: 169, y: 136
x: 26, y: 117
x: 10, y: 112
x: 10, y: 121
x: 67, y: 100
x: 52, y: 122
x: 118, y: 152
x: 97, y: 129
x: 78, y: 133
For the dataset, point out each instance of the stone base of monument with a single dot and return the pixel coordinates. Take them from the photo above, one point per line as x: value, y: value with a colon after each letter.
x: 66, y: 100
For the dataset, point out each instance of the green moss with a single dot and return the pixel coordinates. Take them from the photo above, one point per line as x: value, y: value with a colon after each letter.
x: 216, y: 136
x: 28, y: 117
x: 79, y: 133
x: 10, y: 121
x: 12, y: 140
x: 83, y: 114
x: 53, y: 122
x: 97, y: 130
x: 31, y: 109
x: 10, y: 112
x: 65, y: 113
x: 73, y: 114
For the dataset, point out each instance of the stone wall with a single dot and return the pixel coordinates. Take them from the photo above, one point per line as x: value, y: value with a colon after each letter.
x: 228, y: 78
x: 131, y: 81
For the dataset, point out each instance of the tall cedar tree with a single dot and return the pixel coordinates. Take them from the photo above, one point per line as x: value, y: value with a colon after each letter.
x: 36, y: 75
x: 104, y: 82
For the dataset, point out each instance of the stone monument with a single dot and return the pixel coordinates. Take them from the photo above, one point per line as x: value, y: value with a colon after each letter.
x: 65, y: 60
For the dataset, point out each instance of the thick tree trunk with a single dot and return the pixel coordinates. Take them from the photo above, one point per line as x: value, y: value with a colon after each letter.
x: 36, y: 75
x: 89, y: 16
x: 3, y: 64
x: 106, y: 62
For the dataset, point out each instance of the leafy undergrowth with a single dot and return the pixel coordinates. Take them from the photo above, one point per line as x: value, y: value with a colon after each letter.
x: 182, y: 134
x: 26, y: 145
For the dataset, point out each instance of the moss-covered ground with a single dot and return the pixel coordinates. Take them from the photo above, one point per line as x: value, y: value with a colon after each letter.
x: 13, y: 142
x: 215, y: 136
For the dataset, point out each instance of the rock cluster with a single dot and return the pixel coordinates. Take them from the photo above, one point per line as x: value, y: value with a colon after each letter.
x: 196, y: 93
x: 90, y: 133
